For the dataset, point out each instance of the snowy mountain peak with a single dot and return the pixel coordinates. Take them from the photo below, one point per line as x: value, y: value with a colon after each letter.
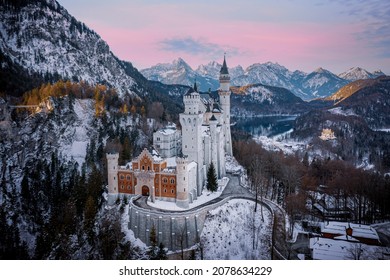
x: 211, y: 69
x: 180, y: 63
x: 378, y: 73
x: 356, y: 73
x: 321, y: 70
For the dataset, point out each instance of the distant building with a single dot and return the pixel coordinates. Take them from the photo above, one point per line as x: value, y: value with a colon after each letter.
x: 167, y: 141
x: 205, y: 139
x: 362, y: 233
x: 337, y: 249
x: 342, y: 241
x: 327, y: 134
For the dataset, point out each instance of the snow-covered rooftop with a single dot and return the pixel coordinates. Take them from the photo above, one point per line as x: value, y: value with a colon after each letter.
x: 358, y: 230
x: 156, y: 156
x: 330, y: 249
x: 167, y: 131
x: 205, y: 197
x: 171, y: 161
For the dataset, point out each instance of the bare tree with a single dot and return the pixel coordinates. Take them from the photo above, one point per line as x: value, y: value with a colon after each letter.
x: 356, y: 252
x: 180, y: 239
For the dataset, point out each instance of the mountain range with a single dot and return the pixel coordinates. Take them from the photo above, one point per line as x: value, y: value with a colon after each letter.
x: 317, y: 84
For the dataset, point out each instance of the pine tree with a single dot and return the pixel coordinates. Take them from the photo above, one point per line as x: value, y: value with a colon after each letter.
x: 161, y: 253
x: 212, y: 181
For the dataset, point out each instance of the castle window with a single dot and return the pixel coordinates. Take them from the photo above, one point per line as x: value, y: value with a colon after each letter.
x: 172, y: 191
x: 172, y: 181
x: 148, y: 167
x: 165, y: 190
x: 122, y: 177
x: 128, y: 177
x: 143, y: 167
x: 165, y: 180
x: 122, y: 187
x: 129, y: 187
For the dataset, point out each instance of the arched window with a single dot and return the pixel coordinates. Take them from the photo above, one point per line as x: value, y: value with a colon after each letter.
x: 165, y: 180
x: 129, y: 188
x: 165, y: 190
x: 128, y: 177
x: 172, y: 181
x: 172, y: 191
x: 143, y: 167
x: 122, y: 177
x: 122, y: 187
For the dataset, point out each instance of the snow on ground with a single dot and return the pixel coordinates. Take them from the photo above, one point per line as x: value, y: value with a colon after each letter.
x: 228, y: 232
x: 275, y: 144
x: 129, y: 234
x: 331, y: 249
x: 76, y: 138
x: 365, y: 164
x: 205, y: 197
x: 382, y: 129
x: 340, y: 111
x: 233, y: 166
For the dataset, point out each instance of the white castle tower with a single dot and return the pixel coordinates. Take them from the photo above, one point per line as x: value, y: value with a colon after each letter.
x: 182, y: 180
x: 191, y: 122
x: 112, y: 170
x: 224, y: 100
x: 214, y: 145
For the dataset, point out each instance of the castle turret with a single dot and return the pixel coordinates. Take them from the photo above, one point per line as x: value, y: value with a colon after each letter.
x: 182, y: 181
x: 112, y: 171
x: 224, y: 99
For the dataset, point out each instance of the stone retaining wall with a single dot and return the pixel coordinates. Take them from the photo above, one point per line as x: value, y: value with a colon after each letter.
x: 174, y: 229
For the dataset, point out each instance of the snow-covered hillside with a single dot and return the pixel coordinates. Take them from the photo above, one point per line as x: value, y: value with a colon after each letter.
x: 234, y: 231
x: 42, y: 37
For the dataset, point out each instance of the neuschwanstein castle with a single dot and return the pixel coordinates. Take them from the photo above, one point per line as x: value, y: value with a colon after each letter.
x: 164, y: 175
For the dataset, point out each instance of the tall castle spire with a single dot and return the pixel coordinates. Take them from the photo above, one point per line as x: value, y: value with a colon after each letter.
x: 224, y: 69
x: 224, y: 98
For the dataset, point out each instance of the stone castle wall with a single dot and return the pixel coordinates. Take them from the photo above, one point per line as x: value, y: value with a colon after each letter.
x: 172, y: 228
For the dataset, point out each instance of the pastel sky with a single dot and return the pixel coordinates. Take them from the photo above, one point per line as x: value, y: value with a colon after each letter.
x: 298, y: 34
